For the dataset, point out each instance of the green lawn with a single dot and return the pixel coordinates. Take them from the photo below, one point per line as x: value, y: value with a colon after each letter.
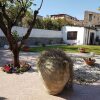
x: 89, y: 48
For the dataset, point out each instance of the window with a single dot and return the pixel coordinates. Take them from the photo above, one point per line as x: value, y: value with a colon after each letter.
x: 90, y: 17
x: 71, y: 35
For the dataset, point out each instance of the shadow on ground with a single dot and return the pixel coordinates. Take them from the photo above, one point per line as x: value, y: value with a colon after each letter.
x: 33, y: 70
x: 5, y: 57
x: 3, y: 98
x: 82, y: 92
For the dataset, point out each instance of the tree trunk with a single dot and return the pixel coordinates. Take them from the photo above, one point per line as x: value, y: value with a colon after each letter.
x: 16, y: 58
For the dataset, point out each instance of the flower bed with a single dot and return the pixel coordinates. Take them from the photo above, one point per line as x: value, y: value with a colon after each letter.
x: 9, y: 68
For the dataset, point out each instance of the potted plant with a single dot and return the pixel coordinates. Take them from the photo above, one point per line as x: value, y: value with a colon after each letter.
x: 25, y: 48
x: 56, y: 70
x: 89, y: 61
x: 82, y: 50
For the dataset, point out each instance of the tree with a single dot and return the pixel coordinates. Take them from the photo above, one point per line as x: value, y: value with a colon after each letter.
x: 39, y: 23
x: 27, y: 19
x: 48, y: 23
x: 12, y: 12
x: 45, y: 23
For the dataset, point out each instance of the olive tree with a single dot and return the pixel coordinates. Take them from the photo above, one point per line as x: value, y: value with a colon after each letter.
x: 12, y: 12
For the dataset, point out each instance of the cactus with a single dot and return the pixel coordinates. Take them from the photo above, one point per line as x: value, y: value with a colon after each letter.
x: 56, y: 70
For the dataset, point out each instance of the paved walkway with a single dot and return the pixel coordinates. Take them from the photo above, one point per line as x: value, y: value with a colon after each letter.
x: 28, y: 86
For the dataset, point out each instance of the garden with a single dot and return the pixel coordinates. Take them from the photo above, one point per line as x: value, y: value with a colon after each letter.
x: 52, y: 73
x: 86, y: 70
x: 56, y: 66
x: 66, y: 48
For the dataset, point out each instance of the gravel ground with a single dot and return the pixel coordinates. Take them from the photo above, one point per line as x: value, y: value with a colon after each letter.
x: 83, y: 73
x: 28, y: 86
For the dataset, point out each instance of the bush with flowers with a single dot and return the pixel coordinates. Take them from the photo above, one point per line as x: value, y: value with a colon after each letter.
x: 9, y: 68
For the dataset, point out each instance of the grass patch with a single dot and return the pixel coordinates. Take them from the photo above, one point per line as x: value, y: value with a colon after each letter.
x: 67, y: 48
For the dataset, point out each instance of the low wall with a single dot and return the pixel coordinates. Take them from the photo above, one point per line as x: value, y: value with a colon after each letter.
x: 36, y: 32
x: 37, y: 36
x: 34, y: 41
x: 3, y: 41
x: 39, y: 41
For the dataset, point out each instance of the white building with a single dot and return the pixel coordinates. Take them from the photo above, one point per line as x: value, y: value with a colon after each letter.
x: 69, y: 35
x: 80, y: 35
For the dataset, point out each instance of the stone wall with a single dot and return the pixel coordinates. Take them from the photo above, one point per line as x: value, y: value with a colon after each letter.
x: 35, y: 41
x: 39, y: 41
x: 95, y: 18
x: 3, y: 41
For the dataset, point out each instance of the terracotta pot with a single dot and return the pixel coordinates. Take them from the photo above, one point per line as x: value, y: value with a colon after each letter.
x: 89, y: 62
x: 82, y: 50
x: 25, y: 49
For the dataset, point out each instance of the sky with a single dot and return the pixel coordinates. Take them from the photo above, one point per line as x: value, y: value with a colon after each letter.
x: 74, y: 8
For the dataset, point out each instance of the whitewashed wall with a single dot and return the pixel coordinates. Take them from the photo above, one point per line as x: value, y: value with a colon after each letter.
x: 80, y: 34
x: 83, y: 34
x: 37, y: 33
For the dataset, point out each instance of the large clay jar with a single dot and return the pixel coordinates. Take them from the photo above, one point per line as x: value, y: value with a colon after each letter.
x: 55, y: 69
